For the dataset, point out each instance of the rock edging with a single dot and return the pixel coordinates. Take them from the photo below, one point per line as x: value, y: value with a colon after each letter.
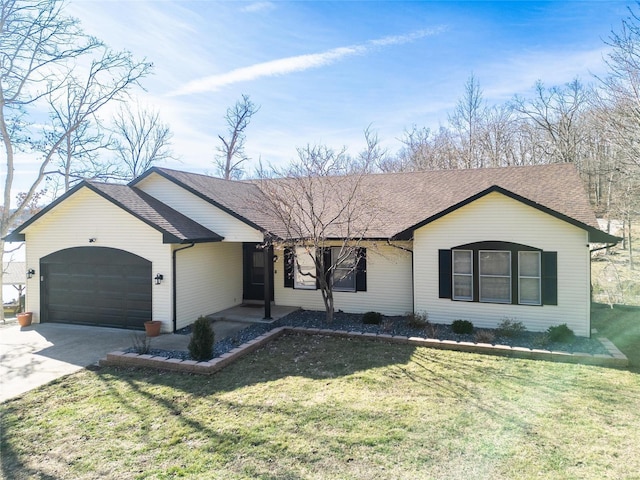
x: 615, y: 358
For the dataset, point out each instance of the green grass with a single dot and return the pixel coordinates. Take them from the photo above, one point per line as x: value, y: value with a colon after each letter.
x: 316, y: 407
x: 621, y: 325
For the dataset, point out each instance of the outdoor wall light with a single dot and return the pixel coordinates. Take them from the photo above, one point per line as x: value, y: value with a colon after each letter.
x: 275, y: 258
x: 159, y: 277
x: 92, y: 240
x: 30, y: 273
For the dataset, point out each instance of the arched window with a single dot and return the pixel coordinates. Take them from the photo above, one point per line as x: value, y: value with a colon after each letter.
x: 499, y: 272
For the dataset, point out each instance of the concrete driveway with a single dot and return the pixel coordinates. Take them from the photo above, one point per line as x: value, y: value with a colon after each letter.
x: 35, y: 355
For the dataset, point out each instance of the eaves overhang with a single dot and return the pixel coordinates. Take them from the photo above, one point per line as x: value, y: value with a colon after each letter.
x: 595, y: 235
x: 197, y: 193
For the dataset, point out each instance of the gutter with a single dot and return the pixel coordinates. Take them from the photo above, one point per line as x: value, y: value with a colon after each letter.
x: 609, y: 245
x: 175, y: 285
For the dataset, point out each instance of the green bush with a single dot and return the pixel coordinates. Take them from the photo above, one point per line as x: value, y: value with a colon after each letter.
x: 509, y: 327
x: 202, y: 338
x: 372, y: 318
x: 462, y: 326
x: 560, y: 333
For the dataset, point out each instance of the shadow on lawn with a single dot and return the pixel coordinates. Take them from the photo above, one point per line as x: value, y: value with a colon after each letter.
x: 621, y: 325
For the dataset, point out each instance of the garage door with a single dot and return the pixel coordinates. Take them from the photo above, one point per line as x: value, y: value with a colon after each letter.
x: 96, y: 286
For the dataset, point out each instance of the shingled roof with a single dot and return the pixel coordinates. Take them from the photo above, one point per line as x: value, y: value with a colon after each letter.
x: 397, y: 203
x: 409, y: 200
x: 174, y: 226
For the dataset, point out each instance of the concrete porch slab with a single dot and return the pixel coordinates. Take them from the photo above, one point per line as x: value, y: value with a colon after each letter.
x: 252, y: 313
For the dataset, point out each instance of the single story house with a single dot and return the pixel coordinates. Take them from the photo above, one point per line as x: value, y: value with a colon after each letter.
x: 480, y: 245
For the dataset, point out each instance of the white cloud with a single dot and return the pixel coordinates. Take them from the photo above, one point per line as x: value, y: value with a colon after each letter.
x: 298, y: 63
x: 258, y: 7
x: 517, y: 75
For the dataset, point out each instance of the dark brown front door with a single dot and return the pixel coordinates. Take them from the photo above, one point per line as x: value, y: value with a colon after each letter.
x: 255, y: 270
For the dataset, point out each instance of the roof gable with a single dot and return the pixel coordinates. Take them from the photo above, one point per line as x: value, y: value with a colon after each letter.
x: 595, y: 235
x: 174, y: 226
x: 236, y: 198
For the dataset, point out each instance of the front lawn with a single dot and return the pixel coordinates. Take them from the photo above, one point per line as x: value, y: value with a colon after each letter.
x: 621, y: 325
x: 319, y: 407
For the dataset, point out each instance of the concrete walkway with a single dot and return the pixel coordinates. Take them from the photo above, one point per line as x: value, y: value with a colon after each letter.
x: 35, y: 355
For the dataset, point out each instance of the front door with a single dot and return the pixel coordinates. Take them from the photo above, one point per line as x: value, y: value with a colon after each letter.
x: 255, y: 270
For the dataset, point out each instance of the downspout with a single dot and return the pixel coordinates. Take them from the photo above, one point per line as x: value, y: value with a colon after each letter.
x: 175, y: 286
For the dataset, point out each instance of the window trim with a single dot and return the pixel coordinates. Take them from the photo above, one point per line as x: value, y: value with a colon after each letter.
x: 548, y: 271
x: 353, y: 270
x: 538, y: 277
x: 297, y: 269
x: 482, y: 276
x: 454, y: 274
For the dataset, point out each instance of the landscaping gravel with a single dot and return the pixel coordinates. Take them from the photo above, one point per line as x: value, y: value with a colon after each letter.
x: 389, y: 325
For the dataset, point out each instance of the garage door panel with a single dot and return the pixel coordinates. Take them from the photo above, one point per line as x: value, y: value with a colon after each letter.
x: 96, y: 286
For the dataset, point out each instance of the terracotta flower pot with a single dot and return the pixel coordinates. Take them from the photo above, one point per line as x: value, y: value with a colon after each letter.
x: 152, y: 327
x: 25, y: 318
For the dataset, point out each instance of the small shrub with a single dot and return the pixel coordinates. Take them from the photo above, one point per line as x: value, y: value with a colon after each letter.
x: 372, y: 318
x: 462, y: 326
x: 431, y: 329
x: 387, y: 325
x: 542, y: 340
x: 484, y: 336
x: 417, y: 319
x: 201, y: 343
x: 141, y: 343
x: 560, y: 333
x: 509, y: 328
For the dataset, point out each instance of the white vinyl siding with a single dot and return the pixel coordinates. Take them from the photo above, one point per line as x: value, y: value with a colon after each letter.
x: 496, y: 217
x: 199, y: 210
x: 209, y: 279
x: 389, y: 286
x: 87, y: 215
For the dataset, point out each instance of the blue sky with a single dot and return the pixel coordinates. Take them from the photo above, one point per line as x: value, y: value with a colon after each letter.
x: 323, y: 71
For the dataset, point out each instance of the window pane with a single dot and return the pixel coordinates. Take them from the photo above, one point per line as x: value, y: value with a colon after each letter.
x: 462, y: 287
x: 305, y: 268
x: 530, y: 264
x: 344, y: 280
x: 495, y: 263
x: 344, y: 275
x: 530, y: 291
x: 462, y: 261
x: 495, y: 289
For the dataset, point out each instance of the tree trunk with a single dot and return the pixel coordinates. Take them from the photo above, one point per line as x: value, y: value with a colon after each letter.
x: 630, y: 244
x: 2, y: 281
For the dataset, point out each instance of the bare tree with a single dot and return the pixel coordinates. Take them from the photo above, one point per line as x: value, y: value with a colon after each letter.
x: 78, y: 155
x: 141, y: 140
x: 41, y: 52
x: 466, y: 121
x: 556, y: 113
x: 323, y: 207
x: 231, y: 153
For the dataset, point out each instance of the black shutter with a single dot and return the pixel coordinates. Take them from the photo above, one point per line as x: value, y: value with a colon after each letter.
x: 361, y: 270
x: 444, y: 268
x: 549, y: 278
x: 289, y: 266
